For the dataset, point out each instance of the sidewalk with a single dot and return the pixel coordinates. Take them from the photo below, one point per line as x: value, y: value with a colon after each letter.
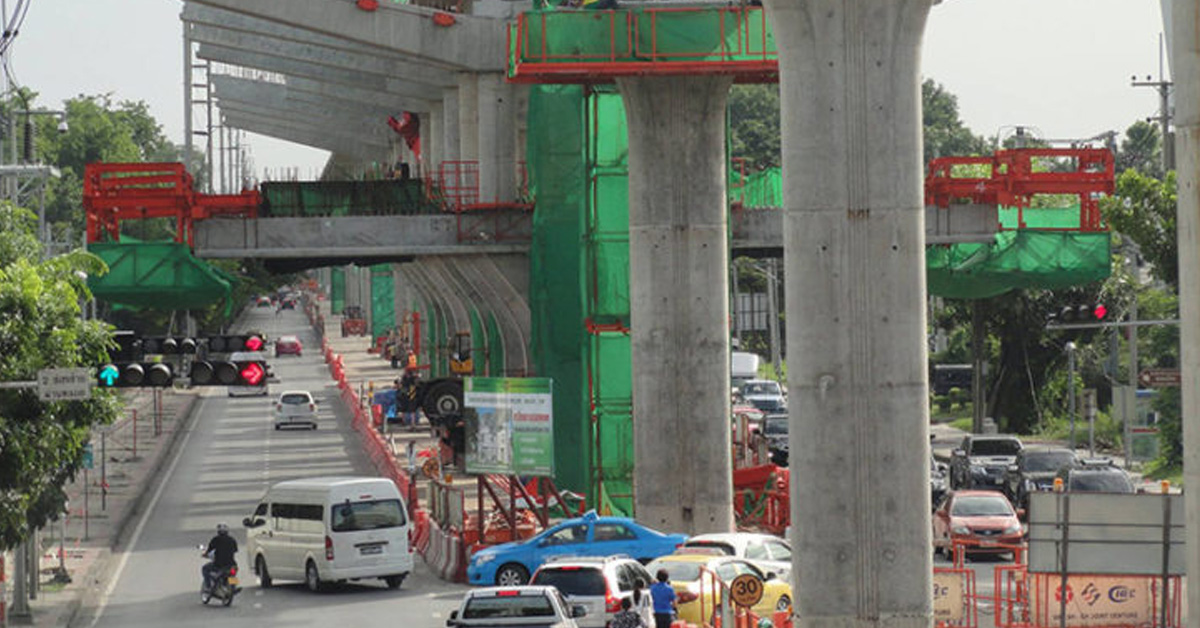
x: 87, y: 537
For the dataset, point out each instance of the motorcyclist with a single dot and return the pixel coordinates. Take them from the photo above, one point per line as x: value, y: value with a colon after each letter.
x: 222, y: 549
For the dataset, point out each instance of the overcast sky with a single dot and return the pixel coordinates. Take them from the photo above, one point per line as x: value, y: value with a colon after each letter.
x: 1062, y: 67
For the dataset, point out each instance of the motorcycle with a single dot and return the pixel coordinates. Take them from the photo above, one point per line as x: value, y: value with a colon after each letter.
x: 225, y: 584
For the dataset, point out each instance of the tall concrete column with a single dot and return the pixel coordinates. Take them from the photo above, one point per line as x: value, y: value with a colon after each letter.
x: 451, y: 145
x: 1183, y: 19
x: 678, y: 300
x: 468, y: 116
x: 855, y: 269
x: 497, y: 138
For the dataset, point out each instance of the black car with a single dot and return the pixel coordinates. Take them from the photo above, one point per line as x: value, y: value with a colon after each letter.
x: 1034, y: 470
x: 1095, y: 476
x: 775, y: 431
x: 981, y: 460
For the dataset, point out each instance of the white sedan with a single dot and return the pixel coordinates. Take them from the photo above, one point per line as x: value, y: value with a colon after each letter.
x: 770, y: 553
x: 296, y: 407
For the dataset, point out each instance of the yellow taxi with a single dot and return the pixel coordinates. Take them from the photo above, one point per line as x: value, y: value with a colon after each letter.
x: 700, y: 577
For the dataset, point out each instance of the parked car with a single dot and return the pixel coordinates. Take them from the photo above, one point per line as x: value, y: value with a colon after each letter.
x: 775, y: 431
x: 982, y: 521
x: 981, y: 460
x: 1034, y: 470
x: 764, y: 394
x: 938, y: 481
x: 696, y: 579
x: 770, y: 553
x: 526, y: 607
x: 288, y: 345
x: 1095, y: 476
x: 296, y: 407
x: 511, y: 564
x: 598, y: 583
x: 262, y: 302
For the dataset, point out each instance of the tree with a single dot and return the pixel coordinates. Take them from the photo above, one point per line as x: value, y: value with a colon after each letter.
x: 1141, y: 150
x: 41, y: 443
x: 754, y: 124
x: 945, y: 133
x: 1143, y: 209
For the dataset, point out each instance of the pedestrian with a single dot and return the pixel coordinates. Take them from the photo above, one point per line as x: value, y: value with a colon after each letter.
x: 663, y: 596
x: 406, y: 400
x: 641, y: 602
x: 626, y: 618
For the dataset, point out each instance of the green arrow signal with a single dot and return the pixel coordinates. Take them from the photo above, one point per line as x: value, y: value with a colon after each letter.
x: 109, y: 375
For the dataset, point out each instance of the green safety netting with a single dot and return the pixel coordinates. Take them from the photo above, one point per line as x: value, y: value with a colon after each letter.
x: 158, y: 275
x: 344, y: 198
x: 758, y: 189
x: 337, y: 290
x: 383, y: 300
x: 641, y: 34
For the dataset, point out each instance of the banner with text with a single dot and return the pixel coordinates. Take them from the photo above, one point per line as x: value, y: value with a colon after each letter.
x: 1096, y: 601
x: 511, y: 428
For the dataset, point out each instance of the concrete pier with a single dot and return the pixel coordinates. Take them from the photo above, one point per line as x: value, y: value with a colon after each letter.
x: 679, y: 308
x: 854, y: 252
x: 497, y: 141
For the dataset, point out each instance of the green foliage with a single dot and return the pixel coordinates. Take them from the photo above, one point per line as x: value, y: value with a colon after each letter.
x: 945, y: 133
x: 1141, y: 150
x: 41, y: 443
x: 1143, y: 209
x: 1168, y: 403
x: 754, y: 124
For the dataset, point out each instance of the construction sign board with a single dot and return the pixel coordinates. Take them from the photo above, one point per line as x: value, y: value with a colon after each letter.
x: 1096, y: 601
x: 949, y: 597
x: 511, y: 430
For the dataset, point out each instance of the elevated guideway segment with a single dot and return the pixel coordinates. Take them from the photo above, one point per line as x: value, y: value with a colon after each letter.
x: 300, y: 133
x: 293, y: 95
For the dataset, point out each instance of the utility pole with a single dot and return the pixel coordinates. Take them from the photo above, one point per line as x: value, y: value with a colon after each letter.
x: 1164, y: 109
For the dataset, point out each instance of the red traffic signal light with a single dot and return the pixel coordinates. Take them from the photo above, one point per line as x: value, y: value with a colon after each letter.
x: 223, y: 373
x: 252, y: 343
x: 234, y: 344
x: 1099, y: 311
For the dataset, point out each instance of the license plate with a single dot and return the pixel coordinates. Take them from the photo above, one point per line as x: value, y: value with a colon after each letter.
x: 371, y: 549
x: 233, y: 581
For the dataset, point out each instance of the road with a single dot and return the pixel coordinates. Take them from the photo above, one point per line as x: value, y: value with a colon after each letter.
x: 222, y: 467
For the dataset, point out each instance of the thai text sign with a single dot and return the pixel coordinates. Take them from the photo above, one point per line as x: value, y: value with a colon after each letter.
x: 511, y: 429
x: 1096, y: 601
x: 948, y: 597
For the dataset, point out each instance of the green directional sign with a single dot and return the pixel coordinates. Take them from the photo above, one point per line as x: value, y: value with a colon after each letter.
x: 108, y: 376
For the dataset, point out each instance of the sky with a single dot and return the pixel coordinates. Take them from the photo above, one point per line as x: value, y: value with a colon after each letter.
x: 1059, y: 67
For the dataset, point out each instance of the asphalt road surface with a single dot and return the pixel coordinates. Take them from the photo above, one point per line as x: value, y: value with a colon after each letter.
x: 222, y: 468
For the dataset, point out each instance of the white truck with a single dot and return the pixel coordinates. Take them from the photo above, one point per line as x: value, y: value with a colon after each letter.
x: 530, y: 606
x: 743, y: 367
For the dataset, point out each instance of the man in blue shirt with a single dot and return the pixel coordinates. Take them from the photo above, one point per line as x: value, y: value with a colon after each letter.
x: 663, y: 597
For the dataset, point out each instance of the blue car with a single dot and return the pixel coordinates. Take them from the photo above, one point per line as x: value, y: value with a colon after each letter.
x: 510, y: 564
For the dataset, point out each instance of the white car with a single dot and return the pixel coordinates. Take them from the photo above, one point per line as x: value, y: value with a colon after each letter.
x: 770, y: 553
x: 296, y: 407
x: 764, y: 394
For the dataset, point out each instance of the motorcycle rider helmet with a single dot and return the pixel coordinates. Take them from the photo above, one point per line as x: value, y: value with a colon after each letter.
x: 222, y: 529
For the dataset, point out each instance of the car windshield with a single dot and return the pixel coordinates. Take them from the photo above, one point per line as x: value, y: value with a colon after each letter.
x: 1048, y: 460
x: 572, y: 580
x: 997, y: 447
x: 508, y: 606
x: 761, y: 388
x: 295, y: 399
x: 367, y: 515
x: 677, y: 571
x: 776, y: 426
x: 1100, y: 482
x: 981, y: 506
x: 289, y: 340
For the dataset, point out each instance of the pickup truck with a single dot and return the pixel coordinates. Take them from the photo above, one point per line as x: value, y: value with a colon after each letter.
x: 981, y: 461
x: 528, y: 606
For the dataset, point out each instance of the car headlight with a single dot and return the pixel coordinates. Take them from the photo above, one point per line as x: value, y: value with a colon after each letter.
x: 482, y: 558
x: 1013, y: 529
x: 960, y: 530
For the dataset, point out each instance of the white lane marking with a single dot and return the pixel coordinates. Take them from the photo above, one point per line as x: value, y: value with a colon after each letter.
x: 137, y: 532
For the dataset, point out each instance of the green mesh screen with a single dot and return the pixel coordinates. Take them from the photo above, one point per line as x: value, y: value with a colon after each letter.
x: 383, y: 300
x: 337, y: 290
x: 343, y: 198
x: 495, y: 345
x: 760, y: 189
x: 157, y: 275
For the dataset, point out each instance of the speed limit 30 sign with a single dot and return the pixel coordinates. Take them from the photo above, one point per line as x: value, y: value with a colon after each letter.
x: 746, y: 590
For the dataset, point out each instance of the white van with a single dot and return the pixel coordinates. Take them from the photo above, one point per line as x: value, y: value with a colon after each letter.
x: 330, y: 529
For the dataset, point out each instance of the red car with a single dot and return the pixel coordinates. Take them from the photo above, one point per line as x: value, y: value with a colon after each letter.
x: 288, y: 345
x: 981, y: 521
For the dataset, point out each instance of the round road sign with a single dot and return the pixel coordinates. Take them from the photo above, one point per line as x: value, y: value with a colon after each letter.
x: 747, y: 590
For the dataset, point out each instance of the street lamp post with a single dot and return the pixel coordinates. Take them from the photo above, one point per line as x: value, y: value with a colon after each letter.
x: 1071, y: 389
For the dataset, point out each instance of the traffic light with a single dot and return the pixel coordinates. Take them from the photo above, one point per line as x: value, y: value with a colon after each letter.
x: 168, y: 345
x: 1079, y: 315
x: 225, y: 373
x: 135, y: 375
x: 236, y: 343
x: 129, y: 347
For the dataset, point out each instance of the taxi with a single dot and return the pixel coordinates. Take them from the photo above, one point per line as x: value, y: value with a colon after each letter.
x: 699, y: 578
